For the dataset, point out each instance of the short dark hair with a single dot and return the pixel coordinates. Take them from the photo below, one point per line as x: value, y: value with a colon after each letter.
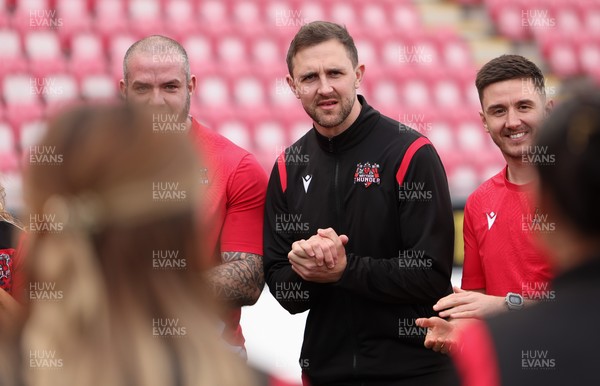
x: 572, y: 134
x: 318, y: 32
x: 148, y: 43
x: 507, y: 67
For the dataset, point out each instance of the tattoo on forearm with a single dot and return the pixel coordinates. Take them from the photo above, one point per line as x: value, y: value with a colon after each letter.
x: 239, y: 279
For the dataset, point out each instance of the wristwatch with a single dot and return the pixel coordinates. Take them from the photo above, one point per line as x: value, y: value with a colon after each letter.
x: 514, y: 301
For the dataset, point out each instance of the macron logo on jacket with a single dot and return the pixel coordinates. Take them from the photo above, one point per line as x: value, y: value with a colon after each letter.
x: 306, y: 182
x: 491, y: 217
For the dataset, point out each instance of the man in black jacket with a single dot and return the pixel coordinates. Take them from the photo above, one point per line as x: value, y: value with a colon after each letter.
x: 358, y: 227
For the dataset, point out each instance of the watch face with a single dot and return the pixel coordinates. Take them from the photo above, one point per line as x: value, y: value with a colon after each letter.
x: 514, y: 299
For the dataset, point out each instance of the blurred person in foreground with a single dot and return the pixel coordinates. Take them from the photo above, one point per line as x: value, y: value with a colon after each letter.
x: 103, y: 309
x: 343, y: 237
x: 554, y: 342
x: 156, y: 74
x: 505, y: 268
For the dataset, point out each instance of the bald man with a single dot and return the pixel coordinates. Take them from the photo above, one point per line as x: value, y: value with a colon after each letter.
x: 156, y: 73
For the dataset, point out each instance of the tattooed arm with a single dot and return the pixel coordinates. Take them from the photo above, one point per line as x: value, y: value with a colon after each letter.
x: 240, y: 279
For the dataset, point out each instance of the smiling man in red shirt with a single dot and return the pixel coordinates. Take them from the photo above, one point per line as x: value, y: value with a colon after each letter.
x: 504, y: 266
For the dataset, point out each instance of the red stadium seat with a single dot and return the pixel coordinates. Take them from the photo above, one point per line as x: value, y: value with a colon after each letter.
x: 100, y: 87
x: 181, y: 18
x: 44, y: 51
x: 213, y: 91
x: 249, y: 91
x: 237, y: 132
x: 87, y: 55
x: 11, y: 54
x: 31, y: 132
x: 7, y: 139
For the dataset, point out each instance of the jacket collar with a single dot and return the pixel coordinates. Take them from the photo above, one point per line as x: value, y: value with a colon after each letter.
x: 354, y: 134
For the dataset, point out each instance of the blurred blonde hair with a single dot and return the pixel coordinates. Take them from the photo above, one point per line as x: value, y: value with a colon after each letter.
x: 101, y: 327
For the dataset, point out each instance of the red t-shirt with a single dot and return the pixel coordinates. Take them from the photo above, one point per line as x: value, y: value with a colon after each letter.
x: 232, y: 210
x: 501, y: 252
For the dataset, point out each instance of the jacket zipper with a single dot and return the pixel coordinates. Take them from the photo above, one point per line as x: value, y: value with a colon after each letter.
x: 338, y: 225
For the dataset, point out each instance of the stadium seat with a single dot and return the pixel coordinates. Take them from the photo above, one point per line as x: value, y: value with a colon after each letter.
x: 87, y: 55
x: 111, y: 18
x: 7, y: 139
x: 45, y: 55
x: 237, y: 132
x: 62, y: 87
x: 145, y: 17
x: 215, y: 17
x: 248, y: 91
x: 447, y: 94
x: 98, y: 87
x: 470, y: 135
x: 231, y: 50
x: 75, y: 18
x: 11, y: 55
x: 30, y: 133
x: 118, y: 46
x: 405, y: 17
x: 462, y: 181
x: 213, y: 90
x: 200, y: 54
x: 181, y: 18
x: 269, y: 136
x: 589, y: 54
x: 415, y: 93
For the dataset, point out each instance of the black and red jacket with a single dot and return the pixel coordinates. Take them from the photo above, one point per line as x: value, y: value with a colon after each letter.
x: 384, y: 186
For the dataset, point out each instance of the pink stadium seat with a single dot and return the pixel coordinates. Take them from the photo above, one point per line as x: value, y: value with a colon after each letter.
x: 7, y: 139
x: 231, y: 50
x: 248, y: 91
x: 264, y: 50
x: 311, y: 11
x: 405, y: 17
x: 270, y: 137
x: 200, y: 53
x: 563, y: 58
x: 98, y: 87
x: 87, y: 55
x: 589, y: 53
x: 447, y: 93
x: 343, y: 12
x: 31, y: 132
x: 470, y: 135
x: 117, y: 48
x: 510, y: 22
x: 440, y: 133
x: 145, y: 17
x: 213, y: 91
x: 61, y: 88
x: 111, y: 18
x: 11, y: 54
x: 181, y: 18
x: 215, y: 17
x: 21, y: 93
x: 280, y: 95
x: 75, y: 16
x: 237, y: 132
x: 463, y: 179
x: 415, y: 93
x: 44, y: 52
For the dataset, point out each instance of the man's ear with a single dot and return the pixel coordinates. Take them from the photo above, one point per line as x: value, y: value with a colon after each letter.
x: 360, y: 72
x: 123, y: 88
x: 292, y: 84
x: 192, y: 84
x: 484, y: 122
x: 549, y: 106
